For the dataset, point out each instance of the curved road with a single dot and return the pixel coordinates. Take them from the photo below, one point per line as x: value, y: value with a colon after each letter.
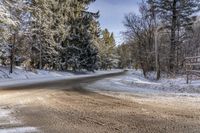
x: 65, y: 107
x: 74, y: 80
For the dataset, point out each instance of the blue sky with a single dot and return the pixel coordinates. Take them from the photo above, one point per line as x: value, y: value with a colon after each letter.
x: 112, y: 14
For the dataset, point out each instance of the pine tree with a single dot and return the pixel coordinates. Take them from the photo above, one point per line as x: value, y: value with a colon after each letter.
x: 12, y: 13
x: 49, y: 33
x: 79, y: 47
x: 107, y: 50
x: 5, y: 21
x: 49, y: 29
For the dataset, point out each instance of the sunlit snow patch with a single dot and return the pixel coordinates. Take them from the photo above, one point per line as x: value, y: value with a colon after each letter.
x: 19, y: 130
x: 6, y: 118
x: 9, y: 121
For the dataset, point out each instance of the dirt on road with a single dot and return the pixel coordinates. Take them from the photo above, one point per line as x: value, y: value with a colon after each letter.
x: 78, y: 110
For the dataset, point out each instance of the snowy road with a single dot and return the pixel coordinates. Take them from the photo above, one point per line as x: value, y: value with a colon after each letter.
x: 17, y: 94
x: 123, y: 103
x: 61, y: 80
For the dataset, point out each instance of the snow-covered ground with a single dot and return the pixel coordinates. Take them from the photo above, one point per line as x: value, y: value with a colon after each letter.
x: 134, y: 82
x: 19, y: 73
x: 21, y: 76
x: 12, y: 124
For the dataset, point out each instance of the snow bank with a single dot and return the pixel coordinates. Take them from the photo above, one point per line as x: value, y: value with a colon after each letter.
x: 20, y: 73
x: 21, y: 77
x: 134, y: 82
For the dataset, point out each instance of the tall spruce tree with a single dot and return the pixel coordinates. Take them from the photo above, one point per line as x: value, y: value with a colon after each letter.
x: 49, y: 28
x: 79, y: 46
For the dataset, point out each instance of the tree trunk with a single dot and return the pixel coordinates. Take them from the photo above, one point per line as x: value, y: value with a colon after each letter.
x: 173, y: 39
x: 157, y: 56
x: 12, y: 53
x: 40, y: 62
x: 144, y: 69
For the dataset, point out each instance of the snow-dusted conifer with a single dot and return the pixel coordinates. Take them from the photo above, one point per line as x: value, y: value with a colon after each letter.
x: 80, y: 51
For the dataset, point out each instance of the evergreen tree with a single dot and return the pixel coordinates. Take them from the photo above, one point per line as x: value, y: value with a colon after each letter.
x: 79, y: 47
x: 49, y: 34
x: 12, y: 13
x: 107, y: 50
x: 49, y: 29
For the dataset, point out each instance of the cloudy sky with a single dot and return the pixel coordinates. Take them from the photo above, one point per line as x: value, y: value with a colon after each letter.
x: 112, y: 14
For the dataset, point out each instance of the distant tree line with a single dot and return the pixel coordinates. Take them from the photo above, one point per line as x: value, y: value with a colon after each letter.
x: 163, y: 34
x: 54, y: 35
